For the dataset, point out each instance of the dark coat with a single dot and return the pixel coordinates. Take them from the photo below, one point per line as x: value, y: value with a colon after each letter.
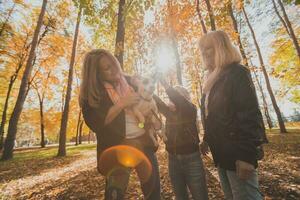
x: 181, y: 128
x: 113, y: 133
x: 234, y: 127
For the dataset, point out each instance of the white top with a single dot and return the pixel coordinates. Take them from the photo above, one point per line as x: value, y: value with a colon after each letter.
x: 132, y: 129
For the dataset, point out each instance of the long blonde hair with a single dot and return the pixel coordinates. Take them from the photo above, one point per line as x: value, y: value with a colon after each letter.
x: 91, y: 88
x: 225, y: 54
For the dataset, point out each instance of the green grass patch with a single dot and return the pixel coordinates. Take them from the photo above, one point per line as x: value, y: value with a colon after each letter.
x: 289, y: 130
x: 292, y: 137
x: 43, y: 153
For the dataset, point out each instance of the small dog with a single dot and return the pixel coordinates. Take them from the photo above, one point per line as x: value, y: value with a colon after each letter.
x: 147, y: 108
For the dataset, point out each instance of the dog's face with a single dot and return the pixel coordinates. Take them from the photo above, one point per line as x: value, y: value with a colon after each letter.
x: 149, y: 86
x: 145, y: 86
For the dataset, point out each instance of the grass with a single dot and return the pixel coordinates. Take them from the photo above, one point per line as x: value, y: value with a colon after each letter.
x: 277, y: 170
x: 43, y: 153
x: 290, y: 130
x: 276, y: 138
x: 279, y: 167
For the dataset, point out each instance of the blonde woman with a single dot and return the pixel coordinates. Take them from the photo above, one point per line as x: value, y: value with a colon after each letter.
x: 234, y: 129
x: 105, y: 96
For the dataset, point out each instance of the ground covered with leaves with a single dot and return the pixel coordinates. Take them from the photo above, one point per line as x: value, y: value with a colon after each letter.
x: 38, y: 174
x: 280, y: 169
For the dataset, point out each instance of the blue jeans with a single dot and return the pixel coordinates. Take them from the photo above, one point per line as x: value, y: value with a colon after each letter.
x: 235, y: 188
x: 186, y: 171
x: 116, y: 183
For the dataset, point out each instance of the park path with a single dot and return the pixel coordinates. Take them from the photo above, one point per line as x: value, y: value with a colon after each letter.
x: 80, y: 180
x: 19, y: 187
x: 76, y: 177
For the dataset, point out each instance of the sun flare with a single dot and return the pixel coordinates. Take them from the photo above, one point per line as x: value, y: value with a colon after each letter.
x: 164, y: 57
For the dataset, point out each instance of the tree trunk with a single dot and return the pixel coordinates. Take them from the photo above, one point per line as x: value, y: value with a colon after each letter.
x: 41, y: 100
x: 235, y: 26
x: 64, y: 119
x: 291, y: 30
x: 77, y: 128
x: 80, y: 132
x: 3, y: 121
x: 13, y: 122
x: 10, y: 86
x: 269, y: 88
x: 42, y: 123
x: 265, y: 105
x: 198, y: 85
x: 7, y: 19
x: 89, y: 137
x: 62, y: 100
x: 120, y: 37
x: 281, y: 19
x: 211, y: 15
x: 177, y: 59
x: 204, y: 30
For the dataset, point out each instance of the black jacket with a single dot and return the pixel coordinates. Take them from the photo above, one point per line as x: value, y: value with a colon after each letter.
x: 111, y: 134
x: 234, y: 126
x: 181, y: 128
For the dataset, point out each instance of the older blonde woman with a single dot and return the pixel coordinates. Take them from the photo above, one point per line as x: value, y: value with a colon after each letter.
x: 233, y: 123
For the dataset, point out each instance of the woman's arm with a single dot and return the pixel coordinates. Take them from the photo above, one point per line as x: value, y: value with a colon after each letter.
x: 98, y: 117
x: 161, y: 106
x: 115, y: 110
x: 179, y: 101
x: 94, y: 116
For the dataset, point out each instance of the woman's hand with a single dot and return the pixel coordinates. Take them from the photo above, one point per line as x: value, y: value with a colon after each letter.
x: 204, y: 148
x: 244, y: 169
x: 125, y: 102
x: 129, y: 100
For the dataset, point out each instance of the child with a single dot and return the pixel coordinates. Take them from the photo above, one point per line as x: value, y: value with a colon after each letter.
x: 185, y: 163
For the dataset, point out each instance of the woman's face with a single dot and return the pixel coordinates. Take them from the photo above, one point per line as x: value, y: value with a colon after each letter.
x: 109, y: 72
x: 208, y: 55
